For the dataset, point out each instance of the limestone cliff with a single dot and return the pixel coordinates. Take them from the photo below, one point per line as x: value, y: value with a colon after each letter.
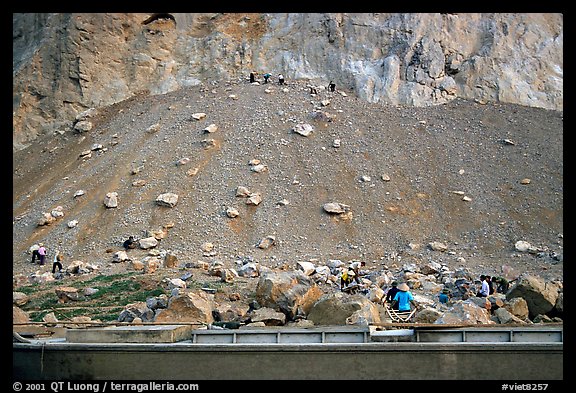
x: 65, y: 63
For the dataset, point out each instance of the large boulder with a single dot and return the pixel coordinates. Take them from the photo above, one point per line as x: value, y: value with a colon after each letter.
x: 466, y: 312
x: 19, y: 315
x: 136, y: 310
x: 517, y: 307
x: 291, y: 292
x: 19, y: 298
x: 506, y: 317
x: 189, y: 307
x: 541, y: 296
x: 268, y: 316
x: 343, y: 309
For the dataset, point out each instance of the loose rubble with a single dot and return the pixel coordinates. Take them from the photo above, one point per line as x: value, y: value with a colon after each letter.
x: 358, y: 181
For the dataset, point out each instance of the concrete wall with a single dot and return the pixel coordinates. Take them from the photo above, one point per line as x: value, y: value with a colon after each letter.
x: 394, y: 361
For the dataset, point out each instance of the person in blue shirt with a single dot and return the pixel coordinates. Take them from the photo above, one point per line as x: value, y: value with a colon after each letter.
x: 444, y: 296
x: 404, y: 298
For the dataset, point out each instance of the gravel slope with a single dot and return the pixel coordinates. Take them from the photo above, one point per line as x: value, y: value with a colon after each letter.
x: 427, y: 154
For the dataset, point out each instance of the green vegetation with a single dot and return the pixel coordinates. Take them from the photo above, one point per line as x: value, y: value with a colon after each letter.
x: 34, y: 288
x: 114, y: 292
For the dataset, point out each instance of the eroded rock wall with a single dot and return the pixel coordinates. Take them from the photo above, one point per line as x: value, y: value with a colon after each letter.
x: 65, y: 63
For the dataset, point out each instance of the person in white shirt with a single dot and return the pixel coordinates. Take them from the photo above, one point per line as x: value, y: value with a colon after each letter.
x: 57, y: 263
x: 485, y: 290
x: 355, y: 267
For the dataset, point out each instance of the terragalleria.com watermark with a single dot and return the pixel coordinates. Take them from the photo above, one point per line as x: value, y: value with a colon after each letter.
x: 98, y: 387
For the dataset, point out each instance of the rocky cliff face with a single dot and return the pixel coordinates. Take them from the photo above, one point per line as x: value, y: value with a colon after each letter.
x: 65, y: 63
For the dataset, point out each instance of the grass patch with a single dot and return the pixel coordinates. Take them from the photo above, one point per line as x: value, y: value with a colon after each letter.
x: 102, y: 279
x: 114, y: 292
x: 38, y: 287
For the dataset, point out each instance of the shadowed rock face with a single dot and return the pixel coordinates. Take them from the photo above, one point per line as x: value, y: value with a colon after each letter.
x: 66, y: 63
x: 540, y: 296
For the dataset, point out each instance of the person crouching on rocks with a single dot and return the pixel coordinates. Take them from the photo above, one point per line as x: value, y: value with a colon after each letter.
x: 346, y: 278
x: 130, y: 243
x: 485, y: 289
x: 355, y: 266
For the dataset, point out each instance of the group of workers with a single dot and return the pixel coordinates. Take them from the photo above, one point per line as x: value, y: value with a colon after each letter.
x: 281, y: 81
x: 266, y: 77
x: 399, y: 296
x: 489, y: 285
x: 39, y: 251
